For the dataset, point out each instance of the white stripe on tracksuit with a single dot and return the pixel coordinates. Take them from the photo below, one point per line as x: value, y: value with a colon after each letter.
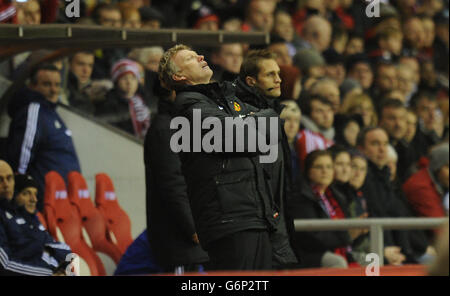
x: 21, y: 268
x: 28, y: 138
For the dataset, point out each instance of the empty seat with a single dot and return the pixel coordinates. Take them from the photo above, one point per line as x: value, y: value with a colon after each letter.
x: 117, y: 221
x: 61, y: 215
x: 91, y: 218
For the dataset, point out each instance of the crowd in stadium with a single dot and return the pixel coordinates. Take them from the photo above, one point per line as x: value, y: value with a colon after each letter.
x: 363, y: 101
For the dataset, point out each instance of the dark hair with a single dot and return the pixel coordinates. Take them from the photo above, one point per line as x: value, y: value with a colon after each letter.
x: 250, y: 65
x: 306, y: 106
x: 89, y: 52
x: 312, y: 157
x: 361, y: 139
x: 390, y: 103
x: 337, y: 149
x: 100, y: 7
x: 41, y: 67
x: 417, y: 97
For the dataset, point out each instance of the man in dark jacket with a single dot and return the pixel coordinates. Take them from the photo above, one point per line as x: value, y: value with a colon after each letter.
x: 26, y: 248
x: 170, y: 225
x: 38, y: 140
x: 232, y: 210
x: 259, y: 86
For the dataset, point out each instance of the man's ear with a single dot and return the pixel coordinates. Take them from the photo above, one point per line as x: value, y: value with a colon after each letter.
x: 177, y: 77
x: 250, y: 81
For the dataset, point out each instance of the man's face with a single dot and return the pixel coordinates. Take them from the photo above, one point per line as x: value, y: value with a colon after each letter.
x: 133, y: 21
x: 395, y: 44
x: 6, y: 181
x: 354, y: 46
x: 393, y: 120
x: 153, y: 62
x: 81, y: 66
x: 192, y: 68
x: 443, y: 176
x: 414, y: 66
x: 411, y: 126
x: 291, y: 126
x: 359, y: 172
x: 331, y: 92
x: 426, y: 111
x: 110, y: 18
x: 260, y: 15
x: 29, y: 13
x: 386, y: 78
x: 48, y: 84
x: 230, y: 57
x: 376, y: 147
x: 268, y: 80
x: 283, y: 26
x: 27, y: 198
x: 322, y: 114
x: 405, y: 80
x: 282, y: 54
x: 363, y: 73
x: 336, y: 72
x: 319, y: 34
x: 414, y: 33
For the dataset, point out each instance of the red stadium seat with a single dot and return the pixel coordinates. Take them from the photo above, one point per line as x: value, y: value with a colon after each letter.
x: 91, y: 218
x: 117, y: 221
x: 42, y: 219
x: 60, y: 214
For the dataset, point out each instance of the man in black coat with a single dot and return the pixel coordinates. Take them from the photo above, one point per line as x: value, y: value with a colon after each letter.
x: 170, y: 225
x: 233, y: 212
x: 259, y: 86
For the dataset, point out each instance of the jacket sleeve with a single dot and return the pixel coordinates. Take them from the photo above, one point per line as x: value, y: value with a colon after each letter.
x: 212, y: 115
x: 24, y: 138
x: 166, y: 166
x: 423, y: 202
x: 11, y: 265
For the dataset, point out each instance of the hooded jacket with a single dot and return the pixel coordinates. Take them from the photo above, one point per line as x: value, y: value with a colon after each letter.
x: 26, y: 248
x: 226, y: 189
x: 38, y: 140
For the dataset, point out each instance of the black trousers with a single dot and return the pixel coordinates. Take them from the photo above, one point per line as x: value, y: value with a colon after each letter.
x: 245, y: 250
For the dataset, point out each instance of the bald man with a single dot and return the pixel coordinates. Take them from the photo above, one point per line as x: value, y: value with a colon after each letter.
x: 317, y: 31
x: 6, y: 181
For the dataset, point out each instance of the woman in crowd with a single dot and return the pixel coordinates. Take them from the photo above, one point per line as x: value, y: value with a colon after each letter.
x: 360, y: 104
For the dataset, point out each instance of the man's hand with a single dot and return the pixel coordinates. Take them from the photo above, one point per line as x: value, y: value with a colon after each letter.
x: 393, y: 255
x: 195, y: 239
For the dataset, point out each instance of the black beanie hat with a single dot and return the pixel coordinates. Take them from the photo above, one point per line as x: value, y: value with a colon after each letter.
x: 22, y: 182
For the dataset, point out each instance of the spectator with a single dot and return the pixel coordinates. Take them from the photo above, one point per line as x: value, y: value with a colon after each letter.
x: 328, y: 89
x: 347, y: 129
x: 281, y: 49
x: 339, y: 39
x: 259, y: 86
x: 226, y: 61
x: 29, y: 13
x: 310, y: 63
x: 231, y: 18
x: 131, y: 18
x: 414, y: 35
x: 291, y: 115
x: 349, y: 87
x: 385, y: 80
x: 441, y: 43
x: 335, y: 66
x: 124, y: 106
x: 203, y: 18
x: 393, y: 120
x: 373, y: 143
x: 38, y: 140
x: 81, y: 65
x: 426, y: 107
x: 355, y: 45
x: 171, y: 231
x: 242, y: 242
x: 317, y: 200
x: 317, y: 33
x: 389, y: 43
x: 405, y: 85
x: 358, y: 68
x: 413, y: 63
x: 425, y: 189
x: 411, y: 125
x: 318, y: 117
x: 107, y: 15
x: 342, y: 170
x: 284, y: 28
x: 259, y: 15
x: 151, y: 18
x: 26, y: 247
x: 362, y: 105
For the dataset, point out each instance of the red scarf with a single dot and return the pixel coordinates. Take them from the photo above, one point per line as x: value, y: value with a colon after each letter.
x: 140, y: 116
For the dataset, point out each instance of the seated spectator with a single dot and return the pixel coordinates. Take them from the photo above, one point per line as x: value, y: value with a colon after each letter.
x: 231, y: 18
x: 328, y: 89
x: 259, y: 15
x: 335, y: 67
x: 360, y: 104
x: 26, y: 247
x: 38, y: 139
x: 131, y: 18
x: 310, y: 62
x: 405, y: 82
x: 317, y: 32
x: 389, y: 44
x: 385, y: 81
x: 411, y: 125
x: 318, y: 116
x: 204, y: 18
x: 284, y: 28
x: 347, y: 128
x: 426, y: 107
x: 317, y: 200
x: 339, y: 39
x: 349, y: 87
x: 151, y: 18
x: 281, y: 49
x: 226, y: 61
x: 291, y: 115
x: 355, y: 45
x: 425, y: 189
x: 358, y: 68
x: 81, y: 65
x: 124, y: 106
x: 414, y: 35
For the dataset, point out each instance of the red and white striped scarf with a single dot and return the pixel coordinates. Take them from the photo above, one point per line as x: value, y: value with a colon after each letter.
x: 140, y: 116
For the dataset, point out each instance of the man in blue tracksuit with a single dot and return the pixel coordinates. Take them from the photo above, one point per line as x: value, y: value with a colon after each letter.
x: 38, y: 140
x: 26, y: 248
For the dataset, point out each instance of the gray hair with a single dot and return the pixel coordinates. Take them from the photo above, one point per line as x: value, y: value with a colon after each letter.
x: 141, y: 54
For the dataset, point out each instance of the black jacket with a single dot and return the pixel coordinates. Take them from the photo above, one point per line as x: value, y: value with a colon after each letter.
x: 226, y: 189
x: 169, y: 219
x: 278, y: 176
x: 77, y: 98
x: 311, y: 245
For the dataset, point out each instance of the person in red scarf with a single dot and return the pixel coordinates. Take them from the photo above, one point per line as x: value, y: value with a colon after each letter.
x: 316, y: 200
x: 124, y: 106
